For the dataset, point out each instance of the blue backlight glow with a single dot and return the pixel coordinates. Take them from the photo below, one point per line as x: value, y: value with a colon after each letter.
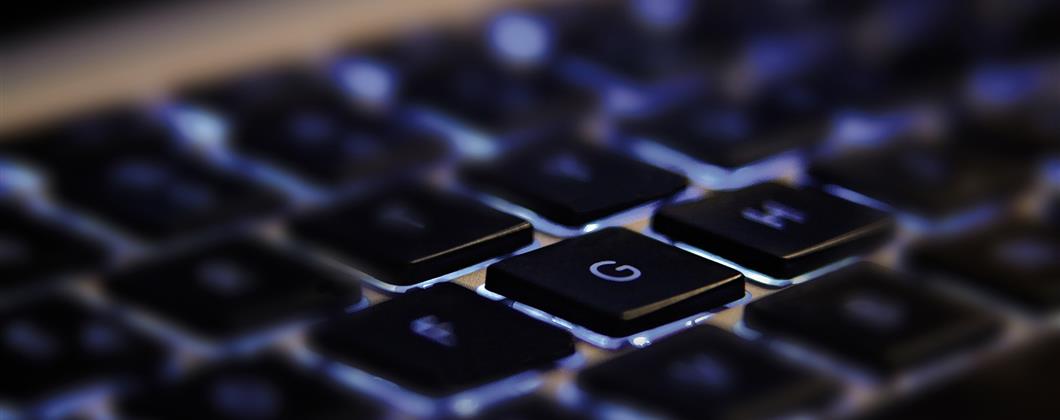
x: 520, y: 38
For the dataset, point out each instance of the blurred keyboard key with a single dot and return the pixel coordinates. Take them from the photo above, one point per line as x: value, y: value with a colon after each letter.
x: 161, y: 199
x: 489, y: 94
x: 707, y: 373
x: 729, y: 136
x: 302, y: 123
x: 871, y: 317
x: 266, y: 387
x: 774, y: 229
x: 615, y: 282
x: 124, y: 169
x: 1019, y: 384
x: 33, y: 252
x: 54, y: 345
x: 573, y: 184
x: 634, y: 45
x: 930, y: 181
x: 409, y: 235
x: 232, y: 288
x: 1020, y: 261
x: 442, y: 340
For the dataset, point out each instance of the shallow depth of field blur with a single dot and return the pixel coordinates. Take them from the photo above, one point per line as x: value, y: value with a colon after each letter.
x: 139, y: 133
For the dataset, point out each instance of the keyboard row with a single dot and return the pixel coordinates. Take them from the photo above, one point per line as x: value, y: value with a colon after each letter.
x: 401, y: 237
x: 445, y: 343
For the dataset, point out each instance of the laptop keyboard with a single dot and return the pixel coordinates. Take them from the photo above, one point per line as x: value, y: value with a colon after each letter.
x: 657, y: 209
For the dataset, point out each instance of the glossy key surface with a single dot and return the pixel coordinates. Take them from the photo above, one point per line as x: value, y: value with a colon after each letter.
x: 233, y: 287
x: 775, y: 229
x: 872, y: 317
x: 707, y: 373
x: 409, y: 235
x: 441, y: 340
x: 615, y: 282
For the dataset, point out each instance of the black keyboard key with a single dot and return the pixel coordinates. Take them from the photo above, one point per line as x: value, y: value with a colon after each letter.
x: 573, y: 184
x: 409, y: 235
x: 302, y: 123
x: 442, y: 340
x: 53, y: 345
x: 233, y: 287
x: 775, y: 229
x: 125, y: 169
x: 632, y: 46
x: 162, y: 199
x: 1020, y: 384
x: 931, y: 181
x: 33, y: 251
x: 871, y: 317
x: 267, y: 387
x: 730, y: 136
x: 615, y: 282
x: 491, y: 95
x: 1020, y: 261
x: 707, y: 373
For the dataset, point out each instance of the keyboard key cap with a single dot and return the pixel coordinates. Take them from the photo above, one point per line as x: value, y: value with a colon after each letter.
x: 775, y: 229
x: 442, y: 340
x: 302, y: 123
x: 53, y: 345
x: 33, y: 252
x: 232, y: 288
x: 1019, y: 261
x: 927, y: 180
x: 573, y: 184
x: 409, y: 235
x: 871, y: 317
x: 159, y: 199
x: 707, y: 373
x: 615, y: 282
x: 487, y: 93
x: 1020, y: 384
x: 266, y: 387
x: 727, y: 135
x: 632, y: 46
x: 126, y: 171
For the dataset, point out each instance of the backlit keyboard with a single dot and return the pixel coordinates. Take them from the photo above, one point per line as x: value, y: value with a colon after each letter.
x: 600, y: 210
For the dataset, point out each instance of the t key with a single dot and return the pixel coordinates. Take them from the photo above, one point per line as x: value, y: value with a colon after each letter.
x: 411, y: 235
x: 775, y: 229
x: 615, y: 282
